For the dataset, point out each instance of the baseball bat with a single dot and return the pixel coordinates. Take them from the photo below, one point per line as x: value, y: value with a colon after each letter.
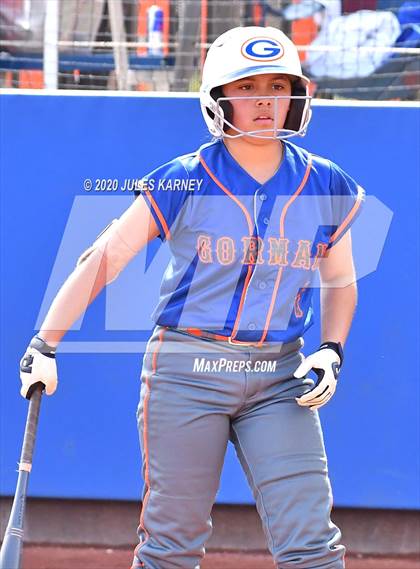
x: 11, y: 550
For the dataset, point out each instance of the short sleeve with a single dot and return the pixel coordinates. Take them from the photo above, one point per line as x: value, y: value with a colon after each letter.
x: 347, y: 199
x: 165, y: 191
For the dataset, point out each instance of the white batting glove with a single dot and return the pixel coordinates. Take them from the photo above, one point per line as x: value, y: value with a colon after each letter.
x: 38, y: 365
x: 326, y: 363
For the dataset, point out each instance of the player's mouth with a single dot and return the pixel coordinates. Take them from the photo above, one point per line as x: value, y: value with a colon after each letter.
x: 263, y: 119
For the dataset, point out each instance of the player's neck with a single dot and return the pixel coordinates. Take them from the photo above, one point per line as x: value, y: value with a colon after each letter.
x: 261, y: 160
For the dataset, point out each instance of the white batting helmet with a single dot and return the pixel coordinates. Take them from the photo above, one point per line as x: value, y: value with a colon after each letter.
x: 245, y: 51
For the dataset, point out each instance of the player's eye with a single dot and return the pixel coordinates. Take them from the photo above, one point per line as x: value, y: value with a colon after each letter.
x: 245, y: 87
x: 278, y: 87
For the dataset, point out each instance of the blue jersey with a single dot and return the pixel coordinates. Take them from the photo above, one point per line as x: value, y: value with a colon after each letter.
x: 244, y: 255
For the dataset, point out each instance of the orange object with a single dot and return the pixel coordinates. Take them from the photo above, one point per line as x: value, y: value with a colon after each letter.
x: 204, y: 16
x: 143, y: 6
x: 31, y: 79
x: 144, y: 86
x: 257, y: 14
x: 8, y: 79
x: 303, y: 32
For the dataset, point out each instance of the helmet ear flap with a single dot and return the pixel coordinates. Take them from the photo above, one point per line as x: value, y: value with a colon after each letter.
x: 226, y: 106
x: 297, y: 107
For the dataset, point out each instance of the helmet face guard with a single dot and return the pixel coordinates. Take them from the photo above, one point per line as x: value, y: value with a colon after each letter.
x: 296, y: 122
x: 244, y: 52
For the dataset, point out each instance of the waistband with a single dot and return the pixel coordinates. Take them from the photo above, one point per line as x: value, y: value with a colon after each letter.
x: 205, y: 335
x: 210, y: 336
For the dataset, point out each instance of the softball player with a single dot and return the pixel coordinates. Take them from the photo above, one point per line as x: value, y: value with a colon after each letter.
x: 252, y: 221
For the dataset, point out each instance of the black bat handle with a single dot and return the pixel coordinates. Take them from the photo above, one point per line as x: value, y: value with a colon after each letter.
x: 31, y: 425
x: 11, y: 550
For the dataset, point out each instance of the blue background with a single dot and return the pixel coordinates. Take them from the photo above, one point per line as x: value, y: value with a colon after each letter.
x: 88, y: 445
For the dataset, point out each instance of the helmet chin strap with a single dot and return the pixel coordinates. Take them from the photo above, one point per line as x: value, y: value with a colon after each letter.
x: 278, y: 133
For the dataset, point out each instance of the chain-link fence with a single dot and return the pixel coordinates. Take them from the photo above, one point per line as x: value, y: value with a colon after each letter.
x: 365, y: 49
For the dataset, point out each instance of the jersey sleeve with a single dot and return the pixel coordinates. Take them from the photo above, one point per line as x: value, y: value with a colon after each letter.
x: 347, y: 200
x: 165, y: 191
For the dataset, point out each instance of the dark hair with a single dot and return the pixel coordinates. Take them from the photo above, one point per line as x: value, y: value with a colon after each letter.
x: 226, y: 106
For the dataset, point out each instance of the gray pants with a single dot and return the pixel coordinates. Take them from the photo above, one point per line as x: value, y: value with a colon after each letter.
x: 189, y: 409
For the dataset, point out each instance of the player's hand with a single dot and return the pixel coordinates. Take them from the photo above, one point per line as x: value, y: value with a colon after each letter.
x: 326, y: 363
x: 38, y: 365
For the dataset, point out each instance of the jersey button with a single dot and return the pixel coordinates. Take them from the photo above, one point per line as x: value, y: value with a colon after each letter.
x: 262, y: 285
x: 263, y: 197
x: 266, y: 220
x: 251, y: 326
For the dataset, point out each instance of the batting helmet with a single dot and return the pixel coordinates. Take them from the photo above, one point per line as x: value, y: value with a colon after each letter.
x: 245, y: 51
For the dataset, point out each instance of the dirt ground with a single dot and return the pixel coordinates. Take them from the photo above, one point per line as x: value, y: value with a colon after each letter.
x: 48, y: 557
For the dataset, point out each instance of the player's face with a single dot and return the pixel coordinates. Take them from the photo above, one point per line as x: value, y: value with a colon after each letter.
x: 258, y: 113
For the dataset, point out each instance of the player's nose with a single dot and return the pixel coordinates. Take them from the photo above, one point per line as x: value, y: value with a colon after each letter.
x: 264, y: 101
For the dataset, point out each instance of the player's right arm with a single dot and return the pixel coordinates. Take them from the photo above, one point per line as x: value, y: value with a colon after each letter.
x: 99, y: 265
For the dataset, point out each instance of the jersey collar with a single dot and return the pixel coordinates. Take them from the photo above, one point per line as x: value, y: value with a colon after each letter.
x: 231, y: 174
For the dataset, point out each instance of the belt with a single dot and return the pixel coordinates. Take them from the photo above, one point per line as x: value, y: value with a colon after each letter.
x: 283, y: 349
x: 210, y: 336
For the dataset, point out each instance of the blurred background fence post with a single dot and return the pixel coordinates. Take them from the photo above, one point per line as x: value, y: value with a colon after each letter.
x: 185, y: 57
x: 116, y: 16
x: 51, y: 36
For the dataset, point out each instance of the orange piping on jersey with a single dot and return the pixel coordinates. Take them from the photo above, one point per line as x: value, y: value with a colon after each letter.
x: 298, y: 309
x: 159, y: 214
x: 145, y: 438
x: 250, y: 229
x: 279, y: 274
x: 350, y: 215
x: 229, y: 193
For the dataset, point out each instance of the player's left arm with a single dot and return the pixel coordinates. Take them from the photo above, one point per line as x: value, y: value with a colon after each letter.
x: 338, y: 302
x: 338, y: 291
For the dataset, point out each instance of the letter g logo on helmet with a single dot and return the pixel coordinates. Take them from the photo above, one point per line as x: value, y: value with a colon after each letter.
x: 262, y: 49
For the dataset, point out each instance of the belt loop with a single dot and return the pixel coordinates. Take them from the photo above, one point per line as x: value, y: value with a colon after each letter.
x: 239, y: 343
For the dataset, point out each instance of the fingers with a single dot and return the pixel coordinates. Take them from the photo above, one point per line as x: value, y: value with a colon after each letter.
x: 312, y: 398
x: 33, y: 387
x: 304, y: 368
x: 320, y: 388
x: 327, y: 398
x: 50, y: 388
x: 319, y: 395
x: 330, y: 390
x: 28, y: 388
